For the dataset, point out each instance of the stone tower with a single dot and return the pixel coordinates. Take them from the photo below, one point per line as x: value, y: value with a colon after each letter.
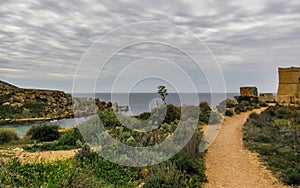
x: 289, y: 85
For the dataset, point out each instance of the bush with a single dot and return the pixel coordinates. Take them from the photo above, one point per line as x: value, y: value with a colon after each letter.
x: 274, y: 134
x: 173, y: 113
x: 70, y: 137
x: 254, y: 115
x: 44, y: 133
x: 165, y: 175
x: 7, y: 135
x: 229, y: 113
x: 215, y: 118
x: 143, y: 116
x: 205, y: 112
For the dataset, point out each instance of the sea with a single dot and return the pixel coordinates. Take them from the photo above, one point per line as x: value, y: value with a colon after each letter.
x: 137, y: 103
x: 142, y: 102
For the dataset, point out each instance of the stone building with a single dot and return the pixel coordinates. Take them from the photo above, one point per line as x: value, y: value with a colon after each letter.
x: 266, y: 97
x: 289, y: 85
x: 248, y: 91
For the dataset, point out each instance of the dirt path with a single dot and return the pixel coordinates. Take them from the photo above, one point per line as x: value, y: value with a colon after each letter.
x: 229, y: 164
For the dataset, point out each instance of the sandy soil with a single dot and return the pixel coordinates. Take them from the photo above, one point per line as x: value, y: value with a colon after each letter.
x: 230, y: 164
x: 28, y: 157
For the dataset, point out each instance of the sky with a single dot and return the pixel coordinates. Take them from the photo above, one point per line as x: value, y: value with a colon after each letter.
x: 104, y: 45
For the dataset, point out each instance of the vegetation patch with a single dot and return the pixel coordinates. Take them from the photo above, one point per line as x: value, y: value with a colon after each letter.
x: 275, y: 135
x: 8, y: 135
x: 44, y: 133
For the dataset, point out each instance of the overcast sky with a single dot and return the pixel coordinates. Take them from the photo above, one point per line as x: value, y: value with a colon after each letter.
x: 43, y: 42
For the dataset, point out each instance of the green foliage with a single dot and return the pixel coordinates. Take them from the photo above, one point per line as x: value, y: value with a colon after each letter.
x: 66, y: 173
x: 8, y: 135
x: 109, y: 172
x: 68, y: 140
x: 205, y: 112
x: 185, y: 169
x: 143, y: 116
x: 163, y: 92
x: 275, y: 135
x: 88, y: 169
x: 166, y: 175
x: 207, y: 115
x: 215, y: 118
x: 173, y: 113
x: 9, y: 112
x: 70, y: 137
x: 53, y: 146
x: 44, y: 132
x: 229, y: 113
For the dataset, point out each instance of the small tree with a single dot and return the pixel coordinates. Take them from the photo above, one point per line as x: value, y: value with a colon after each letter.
x: 163, y: 92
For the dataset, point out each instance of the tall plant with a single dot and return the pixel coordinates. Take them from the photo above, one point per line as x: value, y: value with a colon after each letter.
x: 163, y: 92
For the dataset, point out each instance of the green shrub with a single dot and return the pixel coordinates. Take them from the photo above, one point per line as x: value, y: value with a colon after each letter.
x: 165, y: 175
x: 274, y: 134
x: 254, y: 115
x: 7, y: 135
x: 214, y: 118
x: 70, y: 137
x: 229, y: 113
x: 173, y: 113
x: 105, y: 170
x: 205, y: 112
x: 44, y: 132
x: 65, y: 173
x: 53, y: 146
x: 143, y: 116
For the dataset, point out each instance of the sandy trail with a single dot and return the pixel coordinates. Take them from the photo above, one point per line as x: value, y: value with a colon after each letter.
x: 230, y: 164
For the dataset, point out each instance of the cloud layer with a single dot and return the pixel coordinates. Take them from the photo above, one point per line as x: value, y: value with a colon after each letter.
x: 42, y: 42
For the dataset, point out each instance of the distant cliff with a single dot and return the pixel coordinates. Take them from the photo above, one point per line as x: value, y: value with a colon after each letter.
x: 21, y: 105
x: 17, y: 103
x: 5, y: 85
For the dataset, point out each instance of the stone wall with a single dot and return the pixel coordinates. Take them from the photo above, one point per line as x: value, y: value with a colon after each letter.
x: 249, y: 91
x: 289, y: 85
x: 266, y: 97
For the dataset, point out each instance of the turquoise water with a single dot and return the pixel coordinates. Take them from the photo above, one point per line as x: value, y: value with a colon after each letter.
x: 21, y: 129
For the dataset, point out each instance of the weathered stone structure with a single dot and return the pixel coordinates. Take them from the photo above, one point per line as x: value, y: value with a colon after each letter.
x: 266, y: 97
x: 249, y: 91
x: 289, y: 85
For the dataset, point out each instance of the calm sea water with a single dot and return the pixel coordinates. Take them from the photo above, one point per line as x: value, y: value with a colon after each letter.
x: 21, y: 129
x: 137, y: 102
x: 141, y: 102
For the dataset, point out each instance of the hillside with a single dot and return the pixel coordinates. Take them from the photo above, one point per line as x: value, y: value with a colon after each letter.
x: 21, y: 105
x: 5, y: 85
x: 17, y: 104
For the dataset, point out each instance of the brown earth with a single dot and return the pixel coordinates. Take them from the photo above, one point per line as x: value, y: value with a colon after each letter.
x: 28, y: 157
x: 230, y: 164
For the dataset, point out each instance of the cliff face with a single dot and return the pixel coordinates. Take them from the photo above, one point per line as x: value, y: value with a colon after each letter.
x: 17, y: 103
x: 6, y: 85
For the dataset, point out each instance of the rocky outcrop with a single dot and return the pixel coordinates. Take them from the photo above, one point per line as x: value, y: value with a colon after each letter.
x: 21, y: 105
x: 6, y: 85
x: 17, y: 103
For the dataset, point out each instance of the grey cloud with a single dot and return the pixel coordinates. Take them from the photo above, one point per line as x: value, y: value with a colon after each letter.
x: 51, y: 36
